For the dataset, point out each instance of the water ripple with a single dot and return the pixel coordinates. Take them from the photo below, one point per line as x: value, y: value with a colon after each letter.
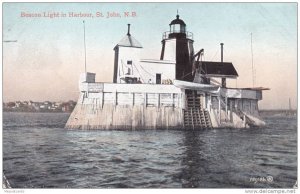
x: 39, y: 153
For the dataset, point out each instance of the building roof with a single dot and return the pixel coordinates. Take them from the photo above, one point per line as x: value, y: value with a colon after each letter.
x: 218, y: 69
x: 129, y: 41
x: 178, y: 21
x: 158, y: 61
x: 253, y: 88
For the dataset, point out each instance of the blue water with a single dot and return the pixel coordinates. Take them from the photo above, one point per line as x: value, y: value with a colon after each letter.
x: 39, y: 153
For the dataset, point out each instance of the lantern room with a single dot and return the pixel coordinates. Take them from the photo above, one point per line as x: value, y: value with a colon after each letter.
x: 177, y: 28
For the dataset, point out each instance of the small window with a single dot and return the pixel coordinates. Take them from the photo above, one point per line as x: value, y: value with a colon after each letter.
x: 129, y: 62
x: 129, y: 71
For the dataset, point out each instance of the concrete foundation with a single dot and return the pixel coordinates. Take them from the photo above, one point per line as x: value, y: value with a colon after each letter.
x: 124, y: 117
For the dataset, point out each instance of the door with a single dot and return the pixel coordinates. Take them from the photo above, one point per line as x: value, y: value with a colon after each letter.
x: 158, y: 78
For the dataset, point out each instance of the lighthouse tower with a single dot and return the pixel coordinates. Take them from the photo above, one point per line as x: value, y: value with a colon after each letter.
x: 177, y: 45
x: 127, y: 56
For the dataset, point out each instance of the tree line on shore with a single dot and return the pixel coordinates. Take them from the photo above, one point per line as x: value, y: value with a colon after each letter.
x: 46, y: 106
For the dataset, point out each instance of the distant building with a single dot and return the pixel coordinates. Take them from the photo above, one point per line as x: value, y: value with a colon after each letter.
x: 47, y: 106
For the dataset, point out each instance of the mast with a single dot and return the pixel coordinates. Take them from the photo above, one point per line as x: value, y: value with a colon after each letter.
x: 223, y: 79
x: 84, y: 46
x: 253, y: 75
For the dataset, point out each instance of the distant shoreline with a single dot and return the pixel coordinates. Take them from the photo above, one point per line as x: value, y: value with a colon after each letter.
x: 278, y: 110
x: 46, y: 106
x: 14, y: 111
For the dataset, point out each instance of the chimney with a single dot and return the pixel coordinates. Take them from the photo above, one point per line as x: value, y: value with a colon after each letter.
x: 222, y: 52
x: 128, y: 33
x: 223, y: 79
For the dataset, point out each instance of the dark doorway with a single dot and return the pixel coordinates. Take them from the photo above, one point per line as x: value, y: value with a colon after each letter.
x: 158, y: 78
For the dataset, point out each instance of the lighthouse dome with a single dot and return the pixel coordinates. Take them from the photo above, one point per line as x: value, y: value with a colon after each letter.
x: 178, y: 21
x: 177, y: 26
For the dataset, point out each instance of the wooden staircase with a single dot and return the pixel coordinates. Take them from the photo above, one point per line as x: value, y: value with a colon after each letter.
x: 195, y: 117
x: 249, y: 121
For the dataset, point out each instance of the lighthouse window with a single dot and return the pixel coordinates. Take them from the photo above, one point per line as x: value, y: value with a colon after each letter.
x: 176, y: 28
x: 129, y: 62
x: 182, y: 29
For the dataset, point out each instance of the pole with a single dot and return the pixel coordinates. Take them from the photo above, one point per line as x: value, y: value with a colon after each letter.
x: 128, y: 32
x: 222, y: 52
x: 253, y: 79
x: 84, y: 46
x: 223, y: 79
x: 219, y: 108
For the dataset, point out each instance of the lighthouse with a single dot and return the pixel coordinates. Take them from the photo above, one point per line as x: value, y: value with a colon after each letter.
x: 177, y: 45
x: 178, y: 91
x: 127, y: 56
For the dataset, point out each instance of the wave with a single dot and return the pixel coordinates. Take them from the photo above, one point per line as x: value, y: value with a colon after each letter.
x: 18, y: 126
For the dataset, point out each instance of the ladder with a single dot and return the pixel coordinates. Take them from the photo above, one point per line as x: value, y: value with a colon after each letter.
x: 195, y: 116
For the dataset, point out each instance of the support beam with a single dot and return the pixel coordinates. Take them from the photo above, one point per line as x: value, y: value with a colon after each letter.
x: 116, y: 98
x: 226, y: 109
x: 158, y: 100
x: 145, y: 99
x: 173, y: 100
x: 133, y: 99
x: 219, y: 98
x: 102, y: 103
x: 231, y: 116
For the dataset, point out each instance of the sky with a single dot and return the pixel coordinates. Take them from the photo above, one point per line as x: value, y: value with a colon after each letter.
x: 45, y: 62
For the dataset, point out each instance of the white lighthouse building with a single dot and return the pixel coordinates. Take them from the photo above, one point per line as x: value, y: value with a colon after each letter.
x: 176, y: 59
x: 130, y: 68
x: 177, y: 91
x: 127, y: 57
